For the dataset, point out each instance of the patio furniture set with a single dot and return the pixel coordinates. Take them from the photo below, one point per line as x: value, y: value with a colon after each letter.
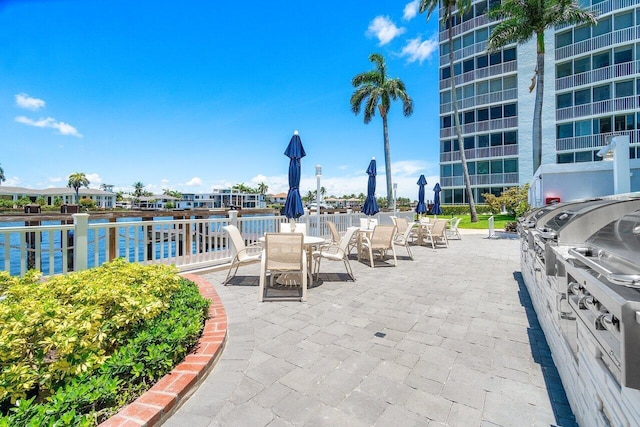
x: 291, y: 258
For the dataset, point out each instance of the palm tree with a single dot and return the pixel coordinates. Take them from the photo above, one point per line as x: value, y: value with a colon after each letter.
x: 138, y: 189
x: 375, y: 87
x: 263, y: 188
x: 2, y: 177
x: 521, y: 20
x: 451, y: 7
x: 323, y: 192
x: 77, y: 180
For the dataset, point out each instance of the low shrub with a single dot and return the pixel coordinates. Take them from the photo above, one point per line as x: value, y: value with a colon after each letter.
x: 76, y: 348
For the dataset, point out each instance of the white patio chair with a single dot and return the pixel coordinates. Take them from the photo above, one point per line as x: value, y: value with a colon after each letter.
x: 242, y: 254
x: 452, y: 231
x: 403, y: 224
x: 437, y: 233
x: 381, y: 241
x: 284, y: 254
x: 285, y: 227
x: 336, y: 252
x: 402, y: 239
x: 335, y: 234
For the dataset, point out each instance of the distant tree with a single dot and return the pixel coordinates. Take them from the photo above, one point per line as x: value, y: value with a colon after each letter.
x: 2, y: 177
x: 41, y: 201
x: 172, y: 193
x: 263, y: 188
x: 119, y: 196
x: 87, y: 203
x: 310, y: 196
x: 57, y: 201
x: 147, y: 193
x: 375, y: 89
x: 241, y: 188
x: 77, y: 180
x: 138, y: 188
x: 323, y: 192
x: 23, y: 201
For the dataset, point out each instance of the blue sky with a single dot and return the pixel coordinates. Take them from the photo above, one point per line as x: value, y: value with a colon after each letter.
x: 196, y: 95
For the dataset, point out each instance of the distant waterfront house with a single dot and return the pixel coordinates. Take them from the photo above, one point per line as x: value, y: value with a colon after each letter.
x: 221, y: 199
x: 155, y: 202
x: 279, y: 198
x: 103, y: 199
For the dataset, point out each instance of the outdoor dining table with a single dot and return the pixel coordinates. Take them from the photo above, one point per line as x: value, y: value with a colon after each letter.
x: 423, y: 228
x: 309, y: 242
x: 362, y: 232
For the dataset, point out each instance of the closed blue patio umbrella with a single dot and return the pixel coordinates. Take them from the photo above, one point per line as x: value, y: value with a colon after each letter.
x: 421, y: 207
x: 435, y: 209
x: 370, y: 204
x: 293, y: 206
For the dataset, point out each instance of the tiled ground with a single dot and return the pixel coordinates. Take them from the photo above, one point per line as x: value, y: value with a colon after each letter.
x: 449, y: 338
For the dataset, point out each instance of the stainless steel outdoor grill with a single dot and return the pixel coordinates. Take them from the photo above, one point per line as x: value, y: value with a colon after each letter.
x: 581, y: 264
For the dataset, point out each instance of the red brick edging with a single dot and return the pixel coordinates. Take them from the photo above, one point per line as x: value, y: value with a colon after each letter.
x: 161, y: 399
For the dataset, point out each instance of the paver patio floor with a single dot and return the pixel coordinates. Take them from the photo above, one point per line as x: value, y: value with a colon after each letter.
x: 449, y: 338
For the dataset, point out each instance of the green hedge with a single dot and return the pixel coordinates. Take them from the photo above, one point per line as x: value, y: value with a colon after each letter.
x: 76, y: 348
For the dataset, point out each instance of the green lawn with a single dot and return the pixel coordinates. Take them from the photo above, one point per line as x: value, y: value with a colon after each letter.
x: 483, y: 221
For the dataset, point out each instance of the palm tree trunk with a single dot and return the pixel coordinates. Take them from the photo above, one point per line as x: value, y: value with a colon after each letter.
x: 537, y: 109
x: 387, y: 159
x: 463, y: 156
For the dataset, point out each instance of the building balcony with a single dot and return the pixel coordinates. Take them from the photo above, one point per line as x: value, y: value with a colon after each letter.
x: 593, y: 76
x: 618, y: 105
x: 489, y: 125
x: 600, y: 42
x: 481, y: 100
x: 481, y: 73
x: 481, y: 180
x: 469, y: 51
x: 481, y: 153
x: 593, y: 141
x: 471, y: 24
x: 605, y: 7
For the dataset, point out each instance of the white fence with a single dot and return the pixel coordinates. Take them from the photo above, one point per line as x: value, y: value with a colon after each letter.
x: 190, y: 244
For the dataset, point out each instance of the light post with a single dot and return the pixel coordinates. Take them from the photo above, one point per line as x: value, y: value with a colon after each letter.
x: 318, y: 175
x: 395, y: 198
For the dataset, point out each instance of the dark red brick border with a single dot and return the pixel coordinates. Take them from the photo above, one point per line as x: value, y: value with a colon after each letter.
x: 160, y: 400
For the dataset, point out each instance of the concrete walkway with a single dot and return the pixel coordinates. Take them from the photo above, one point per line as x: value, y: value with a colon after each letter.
x: 449, y: 338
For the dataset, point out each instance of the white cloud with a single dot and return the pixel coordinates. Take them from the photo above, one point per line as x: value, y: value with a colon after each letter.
x: 55, y: 179
x: 418, y: 50
x: 25, y: 101
x: 62, y: 127
x: 94, y: 180
x: 410, y: 10
x: 12, y: 181
x: 383, y: 29
x: 194, y: 182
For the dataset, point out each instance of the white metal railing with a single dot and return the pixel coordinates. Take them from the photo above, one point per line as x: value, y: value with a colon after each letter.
x: 617, y: 105
x: 594, y: 141
x: 615, y: 37
x: 187, y: 243
x: 599, y: 74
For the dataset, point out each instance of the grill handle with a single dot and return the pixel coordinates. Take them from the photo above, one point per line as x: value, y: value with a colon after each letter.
x: 629, y: 280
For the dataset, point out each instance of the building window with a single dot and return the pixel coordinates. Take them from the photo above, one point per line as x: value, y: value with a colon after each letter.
x: 564, y: 70
x: 445, y: 97
x: 481, y: 8
x: 601, y: 93
x: 469, y: 143
x: 495, y: 85
x: 602, y: 125
x: 582, y: 97
x: 482, y: 87
x: 602, y: 27
x: 446, y: 122
x: 495, y: 58
x: 483, y: 114
x: 483, y: 141
x: 445, y: 73
x: 482, y: 168
x: 583, y: 128
x: 564, y: 39
x: 445, y: 170
x: 601, y: 60
x: 510, y: 138
x: 496, y: 139
x: 467, y: 65
x: 624, y: 122
x: 468, y: 91
x: 624, y: 89
x: 581, y: 33
x: 457, y: 169
x: 564, y: 131
x: 467, y: 40
x: 496, y: 166
x: 509, y: 82
x: 565, y: 158
x: 623, y: 20
x: 582, y: 65
x: 482, y: 61
x: 458, y: 195
x: 584, y: 156
x: 565, y: 100
x: 623, y: 54
x: 482, y: 34
x: 509, y: 55
x: 496, y: 112
x: 469, y: 117
x: 510, y: 165
x: 510, y: 110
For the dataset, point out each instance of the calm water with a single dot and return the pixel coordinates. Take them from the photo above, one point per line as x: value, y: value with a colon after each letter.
x: 166, y: 248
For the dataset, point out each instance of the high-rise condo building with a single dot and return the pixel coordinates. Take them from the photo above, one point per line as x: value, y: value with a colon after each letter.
x: 591, y: 92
